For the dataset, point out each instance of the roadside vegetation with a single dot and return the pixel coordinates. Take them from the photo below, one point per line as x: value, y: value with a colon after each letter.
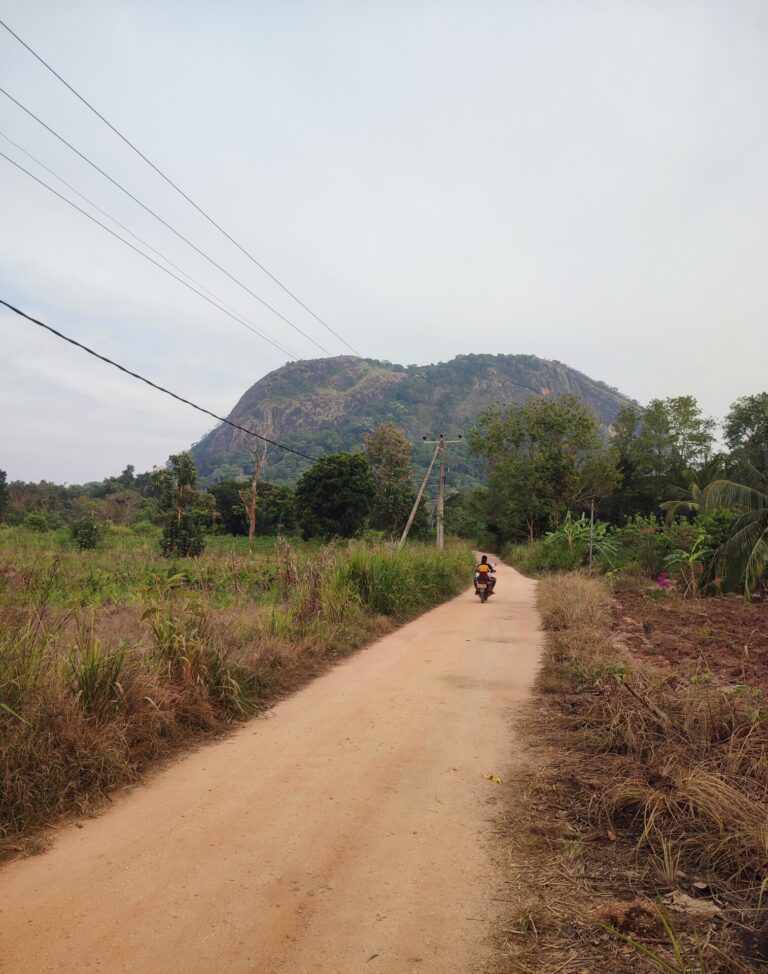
x: 112, y: 658
x: 143, y: 611
x: 644, y: 824
x: 655, y: 499
x: 649, y: 829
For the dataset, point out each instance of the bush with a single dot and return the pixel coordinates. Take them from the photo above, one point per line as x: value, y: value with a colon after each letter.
x: 86, y: 533
x: 36, y: 522
x: 184, y: 538
x: 537, y: 557
x: 716, y: 526
x: 567, y: 548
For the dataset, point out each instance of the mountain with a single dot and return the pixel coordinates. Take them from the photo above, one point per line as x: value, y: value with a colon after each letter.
x: 327, y: 405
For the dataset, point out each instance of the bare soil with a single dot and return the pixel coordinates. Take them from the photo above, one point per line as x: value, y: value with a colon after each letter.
x: 353, y: 830
x: 722, y: 636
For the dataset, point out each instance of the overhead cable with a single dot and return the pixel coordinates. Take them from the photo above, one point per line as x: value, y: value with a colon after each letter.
x: 111, y: 218
x: 161, y: 220
x: 219, y: 307
x: 218, y: 302
x: 154, y: 385
x: 178, y: 189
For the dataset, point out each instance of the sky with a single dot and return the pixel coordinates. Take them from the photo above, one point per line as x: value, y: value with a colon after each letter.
x: 583, y: 180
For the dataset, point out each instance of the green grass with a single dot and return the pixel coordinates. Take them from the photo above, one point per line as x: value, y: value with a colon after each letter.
x: 110, y: 659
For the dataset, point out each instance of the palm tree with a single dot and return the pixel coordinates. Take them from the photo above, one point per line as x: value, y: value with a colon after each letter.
x: 687, y: 500
x: 743, y: 558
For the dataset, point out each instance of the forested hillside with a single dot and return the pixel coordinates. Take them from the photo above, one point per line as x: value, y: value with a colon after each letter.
x: 327, y: 405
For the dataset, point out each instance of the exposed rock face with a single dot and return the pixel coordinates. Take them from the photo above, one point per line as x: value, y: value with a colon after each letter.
x: 329, y: 404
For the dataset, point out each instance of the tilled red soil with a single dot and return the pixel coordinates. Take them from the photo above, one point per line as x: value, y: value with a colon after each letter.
x: 722, y: 635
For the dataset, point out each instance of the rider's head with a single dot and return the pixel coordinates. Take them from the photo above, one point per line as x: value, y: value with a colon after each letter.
x: 484, y: 559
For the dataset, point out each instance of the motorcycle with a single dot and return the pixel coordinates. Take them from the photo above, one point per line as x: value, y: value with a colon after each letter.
x: 483, y: 588
x: 484, y: 584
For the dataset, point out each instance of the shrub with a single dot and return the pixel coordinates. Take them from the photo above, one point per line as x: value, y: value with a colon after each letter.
x: 36, y: 521
x: 86, y: 533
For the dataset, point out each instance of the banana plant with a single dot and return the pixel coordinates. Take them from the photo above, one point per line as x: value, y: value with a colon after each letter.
x: 690, y: 564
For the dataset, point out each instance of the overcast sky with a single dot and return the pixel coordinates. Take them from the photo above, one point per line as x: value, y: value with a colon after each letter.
x: 580, y: 180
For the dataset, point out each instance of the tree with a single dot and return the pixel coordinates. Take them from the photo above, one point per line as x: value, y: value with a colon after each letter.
x: 658, y: 447
x: 538, y: 454
x: 743, y: 558
x: 334, y: 497
x: 693, y: 434
x: 465, y: 514
x: 185, y: 511
x: 127, y: 477
x: 231, y: 516
x: 275, y: 511
x: 746, y: 433
x: 3, y: 495
x: 258, y: 451
x: 388, y: 453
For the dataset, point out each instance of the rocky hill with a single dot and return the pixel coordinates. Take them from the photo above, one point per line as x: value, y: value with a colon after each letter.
x: 327, y: 405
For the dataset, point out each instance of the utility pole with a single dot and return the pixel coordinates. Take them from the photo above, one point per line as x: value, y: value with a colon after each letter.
x: 440, y: 445
x: 415, y: 507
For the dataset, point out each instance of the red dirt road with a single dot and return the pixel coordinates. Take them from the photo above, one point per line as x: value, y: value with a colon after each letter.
x: 352, y: 831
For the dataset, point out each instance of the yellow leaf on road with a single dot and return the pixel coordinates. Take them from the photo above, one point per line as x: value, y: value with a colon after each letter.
x: 492, y: 777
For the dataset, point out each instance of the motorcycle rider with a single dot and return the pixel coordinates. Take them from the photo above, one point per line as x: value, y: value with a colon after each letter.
x: 485, y: 569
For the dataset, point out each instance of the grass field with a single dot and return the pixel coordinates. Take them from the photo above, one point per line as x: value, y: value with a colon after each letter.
x: 110, y: 659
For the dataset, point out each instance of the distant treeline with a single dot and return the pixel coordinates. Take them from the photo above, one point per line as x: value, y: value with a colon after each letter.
x: 543, y: 459
x: 133, y: 500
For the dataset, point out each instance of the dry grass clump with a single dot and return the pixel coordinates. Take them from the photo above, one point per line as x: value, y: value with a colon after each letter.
x: 677, y: 765
x: 572, y: 602
x: 90, y: 698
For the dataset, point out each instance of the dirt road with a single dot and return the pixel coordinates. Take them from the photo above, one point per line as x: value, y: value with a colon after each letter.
x: 352, y: 831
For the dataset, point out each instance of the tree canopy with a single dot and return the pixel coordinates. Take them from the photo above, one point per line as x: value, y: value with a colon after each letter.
x: 544, y: 457
x: 185, y: 510
x: 388, y: 453
x: 334, y: 498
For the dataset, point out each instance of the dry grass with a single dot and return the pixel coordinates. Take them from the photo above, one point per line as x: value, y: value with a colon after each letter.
x: 649, y: 785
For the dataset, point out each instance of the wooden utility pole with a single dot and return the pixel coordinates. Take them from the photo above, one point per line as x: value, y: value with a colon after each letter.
x: 440, y: 446
x: 420, y: 494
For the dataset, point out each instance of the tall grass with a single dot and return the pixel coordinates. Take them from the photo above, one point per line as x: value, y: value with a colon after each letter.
x: 99, y: 679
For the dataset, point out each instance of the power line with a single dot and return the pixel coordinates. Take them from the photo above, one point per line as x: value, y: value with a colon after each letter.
x: 113, y: 219
x: 234, y: 315
x: 178, y: 189
x: 219, y: 303
x: 164, y: 222
x: 154, y: 385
